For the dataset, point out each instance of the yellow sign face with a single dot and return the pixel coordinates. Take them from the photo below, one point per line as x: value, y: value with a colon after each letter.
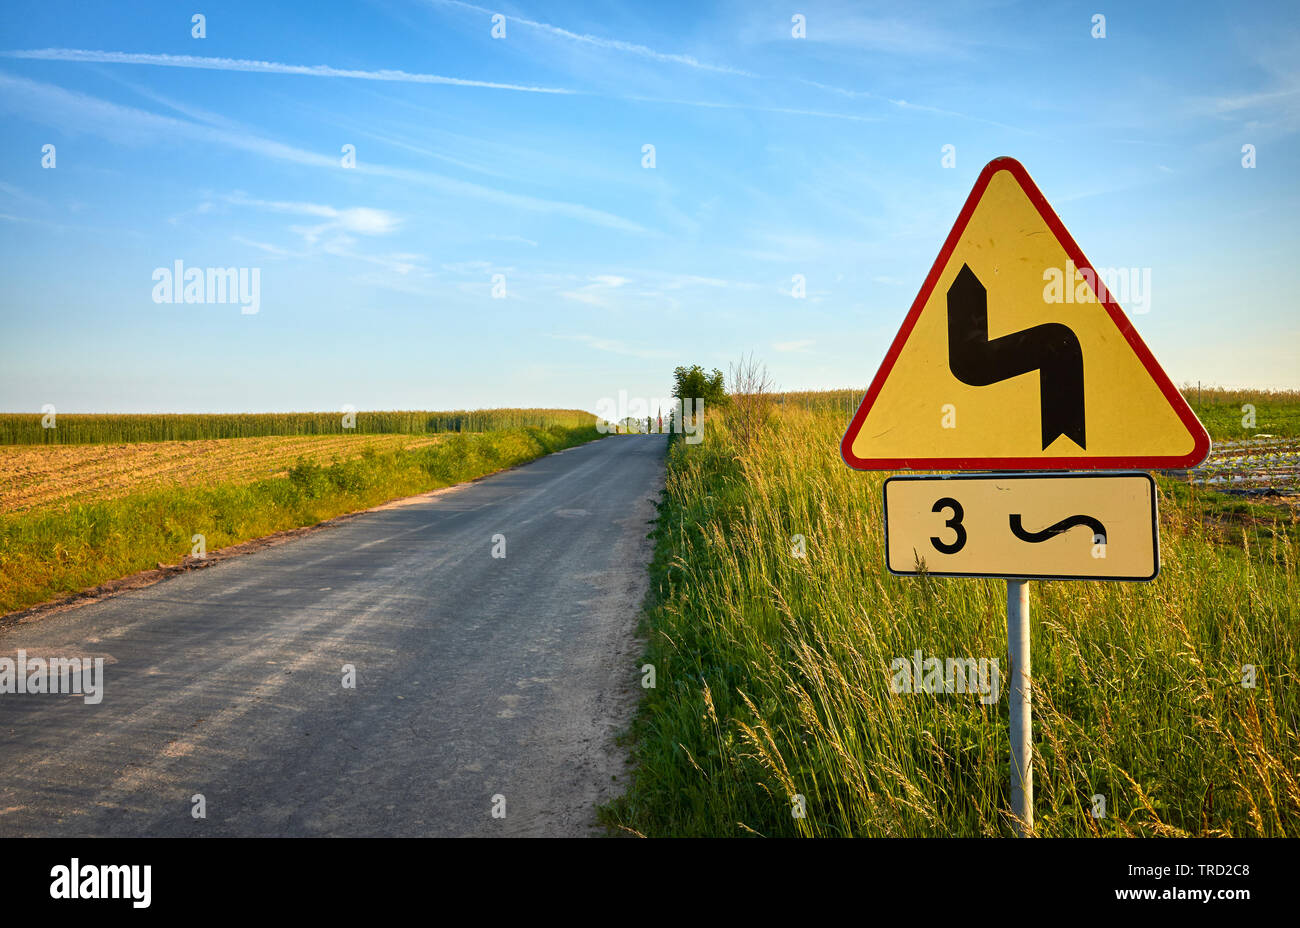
x: 1031, y: 526
x: 1015, y: 355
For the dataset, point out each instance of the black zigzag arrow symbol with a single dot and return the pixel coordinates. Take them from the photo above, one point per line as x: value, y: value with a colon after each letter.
x: 1018, y: 529
x: 1052, y: 349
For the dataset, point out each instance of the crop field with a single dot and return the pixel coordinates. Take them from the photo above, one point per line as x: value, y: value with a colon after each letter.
x: 75, y: 516
x: 76, y: 429
x: 42, y: 475
x: 1265, y: 468
x: 774, y: 665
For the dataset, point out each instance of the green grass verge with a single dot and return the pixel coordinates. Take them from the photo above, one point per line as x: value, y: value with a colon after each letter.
x: 46, y: 553
x: 773, y: 671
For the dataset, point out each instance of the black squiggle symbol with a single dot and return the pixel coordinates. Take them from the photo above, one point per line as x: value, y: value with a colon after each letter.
x: 1052, y: 349
x: 1018, y: 529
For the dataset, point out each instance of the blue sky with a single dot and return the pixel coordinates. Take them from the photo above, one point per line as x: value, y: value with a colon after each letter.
x: 522, y: 156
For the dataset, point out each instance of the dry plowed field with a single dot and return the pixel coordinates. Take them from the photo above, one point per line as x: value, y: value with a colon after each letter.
x: 37, y: 476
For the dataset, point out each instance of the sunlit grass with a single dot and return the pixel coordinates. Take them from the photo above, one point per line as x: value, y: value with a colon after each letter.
x: 773, y: 671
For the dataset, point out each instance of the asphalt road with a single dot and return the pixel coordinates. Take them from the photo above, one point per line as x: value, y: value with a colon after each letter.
x: 476, y: 677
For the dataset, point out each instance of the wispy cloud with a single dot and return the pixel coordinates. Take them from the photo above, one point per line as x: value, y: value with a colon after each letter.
x: 905, y: 104
x: 61, y: 108
x: 401, y: 264
x: 802, y: 344
x: 195, y: 113
x: 907, y: 31
x: 792, y: 111
x: 264, y: 67
x: 274, y: 251
x: 335, y: 238
x: 516, y: 239
x: 614, y: 346
x: 77, y: 55
x: 19, y: 194
x: 596, y: 41
x: 597, y: 292
x: 683, y: 281
x: 886, y: 34
x: 363, y: 220
x: 1278, y: 109
x: 477, y: 268
x: 406, y: 145
x: 1252, y: 100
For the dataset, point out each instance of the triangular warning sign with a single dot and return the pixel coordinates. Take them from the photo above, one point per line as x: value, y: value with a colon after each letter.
x: 1015, y: 355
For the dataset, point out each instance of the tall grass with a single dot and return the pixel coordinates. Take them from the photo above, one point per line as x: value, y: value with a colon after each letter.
x: 54, y: 551
x: 71, y: 429
x: 1276, y: 412
x: 773, y: 671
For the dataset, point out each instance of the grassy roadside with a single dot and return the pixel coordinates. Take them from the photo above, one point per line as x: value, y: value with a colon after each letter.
x: 773, y: 671
x: 54, y: 551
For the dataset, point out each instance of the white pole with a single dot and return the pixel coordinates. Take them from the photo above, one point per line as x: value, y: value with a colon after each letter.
x: 1022, y: 771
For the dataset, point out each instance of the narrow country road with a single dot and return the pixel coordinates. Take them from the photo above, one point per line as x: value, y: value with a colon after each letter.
x: 476, y: 676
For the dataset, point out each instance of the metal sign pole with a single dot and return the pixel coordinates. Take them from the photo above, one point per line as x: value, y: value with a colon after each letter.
x: 1022, y: 771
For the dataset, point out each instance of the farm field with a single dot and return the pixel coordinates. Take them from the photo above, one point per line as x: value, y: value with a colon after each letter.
x: 74, y: 516
x: 43, y: 475
x: 1266, y: 468
x: 76, y: 428
x: 773, y: 669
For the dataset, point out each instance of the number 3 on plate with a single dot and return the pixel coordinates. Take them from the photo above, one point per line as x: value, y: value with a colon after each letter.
x: 954, y: 523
